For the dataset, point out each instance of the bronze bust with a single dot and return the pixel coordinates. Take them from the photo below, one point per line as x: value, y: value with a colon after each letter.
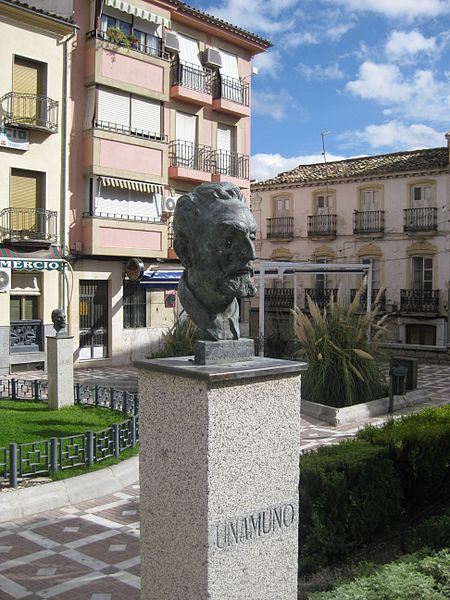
x: 59, y: 320
x: 214, y: 233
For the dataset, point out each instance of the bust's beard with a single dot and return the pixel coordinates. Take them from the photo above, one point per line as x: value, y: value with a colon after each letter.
x: 240, y: 286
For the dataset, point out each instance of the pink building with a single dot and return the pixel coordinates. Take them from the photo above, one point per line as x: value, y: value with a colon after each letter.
x: 161, y: 103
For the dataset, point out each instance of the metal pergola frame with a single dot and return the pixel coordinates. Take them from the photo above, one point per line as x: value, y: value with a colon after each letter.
x: 271, y: 269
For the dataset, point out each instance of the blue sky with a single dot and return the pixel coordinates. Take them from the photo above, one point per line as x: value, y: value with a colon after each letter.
x: 375, y: 74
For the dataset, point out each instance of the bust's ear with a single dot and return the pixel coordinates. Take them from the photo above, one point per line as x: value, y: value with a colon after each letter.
x: 181, y: 247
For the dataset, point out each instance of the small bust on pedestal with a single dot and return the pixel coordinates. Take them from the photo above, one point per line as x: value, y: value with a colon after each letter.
x: 59, y: 321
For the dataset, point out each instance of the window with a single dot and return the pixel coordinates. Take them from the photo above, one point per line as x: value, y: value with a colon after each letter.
x: 148, y: 42
x: 421, y: 196
x: 322, y: 279
x: 422, y: 273
x: 125, y: 203
x: 26, y: 195
x: 126, y: 113
x: 421, y: 334
x: 107, y: 21
x: 134, y: 305
x: 189, y: 52
x: 376, y: 276
x: 29, y: 82
x: 370, y: 200
x: 323, y: 203
x: 23, y: 308
x: 281, y: 207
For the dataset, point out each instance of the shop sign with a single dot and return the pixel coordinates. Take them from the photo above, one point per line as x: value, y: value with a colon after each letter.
x: 13, y: 137
x: 31, y: 264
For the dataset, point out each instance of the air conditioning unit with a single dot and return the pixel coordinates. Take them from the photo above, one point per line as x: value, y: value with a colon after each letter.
x: 171, y: 41
x: 212, y: 58
x: 168, y: 204
x: 5, y: 279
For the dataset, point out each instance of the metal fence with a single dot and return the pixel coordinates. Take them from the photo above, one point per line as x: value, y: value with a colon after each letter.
x: 82, y: 450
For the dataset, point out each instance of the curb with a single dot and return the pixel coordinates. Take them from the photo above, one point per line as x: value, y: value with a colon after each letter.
x: 48, y: 496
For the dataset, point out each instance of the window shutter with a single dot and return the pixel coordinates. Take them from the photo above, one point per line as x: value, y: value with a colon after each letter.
x: 26, y: 77
x: 224, y: 138
x: 114, y: 107
x: 229, y: 64
x: 186, y: 126
x: 189, y: 51
x: 112, y: 201
x: 24, y: 191
x: 142, y: 205
x: 146, y: 115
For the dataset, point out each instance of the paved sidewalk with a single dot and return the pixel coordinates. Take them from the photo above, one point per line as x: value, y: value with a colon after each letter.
x: 90, y: 551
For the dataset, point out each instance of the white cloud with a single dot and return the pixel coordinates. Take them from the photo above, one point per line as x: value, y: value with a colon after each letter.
x: 380, y: 82
x: 269, y: 62
x: 264, y: 166
x: 255, y: 15
x: 276, y: 105
x: 395, y: 134
x: 402, y: 43
x: 419, y: 97
x: 319, y: 72
x: 408, y: 9
x: 305, y: 38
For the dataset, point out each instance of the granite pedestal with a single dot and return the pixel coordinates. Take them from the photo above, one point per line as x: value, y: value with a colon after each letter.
x: 60, y: 371
x: 219, y: 473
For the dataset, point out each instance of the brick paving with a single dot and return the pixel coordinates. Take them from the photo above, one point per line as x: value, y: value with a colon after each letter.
x: 90, y: 551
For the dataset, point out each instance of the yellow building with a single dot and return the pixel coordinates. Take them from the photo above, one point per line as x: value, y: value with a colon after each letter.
x: 34, y: 46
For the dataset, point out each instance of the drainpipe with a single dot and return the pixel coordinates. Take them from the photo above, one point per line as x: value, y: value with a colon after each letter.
x: 64, y: 209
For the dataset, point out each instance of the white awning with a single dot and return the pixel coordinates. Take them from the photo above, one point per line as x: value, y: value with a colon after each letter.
x: 130, y: 184
x: 141, y: 13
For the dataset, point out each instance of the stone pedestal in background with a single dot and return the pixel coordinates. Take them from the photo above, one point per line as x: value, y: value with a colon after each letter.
x: 60, y: 371
x: 219, y: 473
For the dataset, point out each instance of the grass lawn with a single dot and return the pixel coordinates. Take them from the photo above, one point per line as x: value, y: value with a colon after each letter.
x: 22, y: 421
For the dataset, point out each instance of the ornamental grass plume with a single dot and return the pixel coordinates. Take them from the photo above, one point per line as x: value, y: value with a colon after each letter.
x: 339, y: 344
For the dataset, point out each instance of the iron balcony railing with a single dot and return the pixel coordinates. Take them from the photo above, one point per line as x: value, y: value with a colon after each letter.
x: 320, y: 296
x: 230, y: 163
x: 363, y: 299
x: 420, y: 219
x: 322, y: 225
x: 120, y: 217
x: 279, y: 298
x: 26, y: 336
x: 371, y: 221
x: 153, y: 49
x: 191, y: 76
x: 419, y: 301
x: 28, y: 225
x: 189, y: 155
x: 30, y: 110
x: 129, y: 130
x: 230, y: 88
x: 280, y: 227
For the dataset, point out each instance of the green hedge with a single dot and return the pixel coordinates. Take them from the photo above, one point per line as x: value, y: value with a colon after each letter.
x: 412, y: 578
x: 434, y: 532
x: 348, y: 492
x: 419, y: 445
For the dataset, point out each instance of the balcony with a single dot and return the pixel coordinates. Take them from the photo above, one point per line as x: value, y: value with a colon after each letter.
x: 320, y: 296
x: 419, y: 301
x: 30, y: 111
x: 280, y: 228
x: 190, y: 83
x: 363, y: 299
x: 26, y: 336
x: 279, y: 298
x: 420, y: 219
x: 154, y: 49
x: 371, y: 221
x: 131, y: 131
x: 230, y: 95
x: 189, y: 161
x: 322, y: 225
x: 110, y: 234
x: 226, y: 165
x: 35, y: 226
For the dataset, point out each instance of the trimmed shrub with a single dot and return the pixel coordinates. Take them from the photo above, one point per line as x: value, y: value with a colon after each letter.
x: 435, y: 532
x: 419, y: 445
x: 180, y: 339
x: 412, y: 578
x: 348, y: 492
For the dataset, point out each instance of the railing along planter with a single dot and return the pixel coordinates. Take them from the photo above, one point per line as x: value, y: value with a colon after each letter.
x: 39, y: 458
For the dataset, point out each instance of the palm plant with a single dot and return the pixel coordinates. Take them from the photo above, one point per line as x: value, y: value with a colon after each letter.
x: 180, y: 339
x: 340, y: 344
